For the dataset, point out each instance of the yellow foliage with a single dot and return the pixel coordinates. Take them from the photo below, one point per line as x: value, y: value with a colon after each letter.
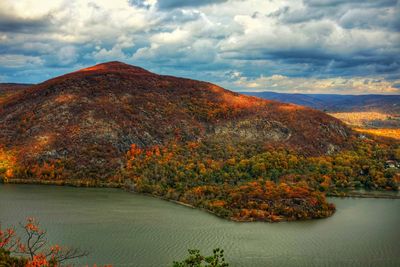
x: 360, y: 118
x: 384, y: 132
x: 7, y: 164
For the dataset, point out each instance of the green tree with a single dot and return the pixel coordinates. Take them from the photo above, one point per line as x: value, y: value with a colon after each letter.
x: 7, y: 260
x: 195, y: 259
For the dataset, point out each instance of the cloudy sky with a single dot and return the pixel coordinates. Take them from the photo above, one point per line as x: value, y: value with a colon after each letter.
x: 308, y: 46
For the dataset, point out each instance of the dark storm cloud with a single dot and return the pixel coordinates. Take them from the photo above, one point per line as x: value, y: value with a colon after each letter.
x: 348, y: 14
x: 167, y: 4
x: 172, y: 4
x: 372, y: 3
x: 234, y: 40
x: 314, y: 61
x: 11, y: 24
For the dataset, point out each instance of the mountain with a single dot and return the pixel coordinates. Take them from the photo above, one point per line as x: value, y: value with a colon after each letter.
x: 89, y: 119
x: 237, y: 156
x: 337, y: 103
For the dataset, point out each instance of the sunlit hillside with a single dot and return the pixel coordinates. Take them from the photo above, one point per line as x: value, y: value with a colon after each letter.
x: 368, y: 119
x: 375, y: 123
x: 383, y: 132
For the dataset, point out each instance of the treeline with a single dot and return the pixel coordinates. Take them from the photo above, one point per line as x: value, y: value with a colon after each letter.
x: 204, y: 163
x: 243, y: 181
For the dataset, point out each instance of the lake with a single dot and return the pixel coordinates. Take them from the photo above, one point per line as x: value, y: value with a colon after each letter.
x: 126, y: 229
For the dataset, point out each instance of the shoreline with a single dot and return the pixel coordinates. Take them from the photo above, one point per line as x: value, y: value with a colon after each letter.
x: 123, y: 186
x: 88, y: 184
x: 377, y: 194
x: 71, y: 183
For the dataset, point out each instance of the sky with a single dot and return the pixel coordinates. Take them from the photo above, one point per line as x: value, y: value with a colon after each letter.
x: 297, y: 46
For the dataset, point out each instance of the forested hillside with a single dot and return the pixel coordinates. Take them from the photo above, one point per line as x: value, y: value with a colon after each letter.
x: 237, y: 156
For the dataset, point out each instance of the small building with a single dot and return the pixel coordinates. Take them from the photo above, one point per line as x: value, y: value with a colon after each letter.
x: 391, y: 164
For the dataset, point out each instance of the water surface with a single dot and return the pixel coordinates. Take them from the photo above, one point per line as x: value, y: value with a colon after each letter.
x: 134, y: 230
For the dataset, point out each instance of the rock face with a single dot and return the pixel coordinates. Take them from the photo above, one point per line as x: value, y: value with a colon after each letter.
x: 88, y: 119
x: 253, y: 130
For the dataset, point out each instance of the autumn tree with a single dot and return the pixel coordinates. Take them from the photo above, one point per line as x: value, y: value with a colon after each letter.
x: 34, y: 248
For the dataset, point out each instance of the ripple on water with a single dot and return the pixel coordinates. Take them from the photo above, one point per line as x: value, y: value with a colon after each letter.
x: 134, y: 230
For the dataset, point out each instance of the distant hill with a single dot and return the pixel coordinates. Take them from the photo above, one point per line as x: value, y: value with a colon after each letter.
x: 90, y: 118
x: 337, y: 103
x: 10, y: 89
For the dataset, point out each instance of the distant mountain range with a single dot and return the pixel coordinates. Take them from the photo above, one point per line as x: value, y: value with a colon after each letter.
x: 337, y: 103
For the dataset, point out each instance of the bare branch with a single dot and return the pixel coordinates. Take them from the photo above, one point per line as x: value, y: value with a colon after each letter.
x: 69, y: 254
x: 36, y: 244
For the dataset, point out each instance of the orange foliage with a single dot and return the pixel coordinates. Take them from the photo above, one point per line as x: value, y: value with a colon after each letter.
x: 7, y: 237
x: 218, y: 203
x: 39, y: 261
x: 8, y: 164
x: 32, y: 225
x: 134, y: 151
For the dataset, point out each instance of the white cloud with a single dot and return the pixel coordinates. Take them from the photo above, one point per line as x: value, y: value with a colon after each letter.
x: 176, y: 36
x: 19, y: 61
x: 108, y: 55
x: 220, y: 42
x: 67, y: 55
x: 29, y: 8
x: 116, y: 52
x: 353, y: 85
